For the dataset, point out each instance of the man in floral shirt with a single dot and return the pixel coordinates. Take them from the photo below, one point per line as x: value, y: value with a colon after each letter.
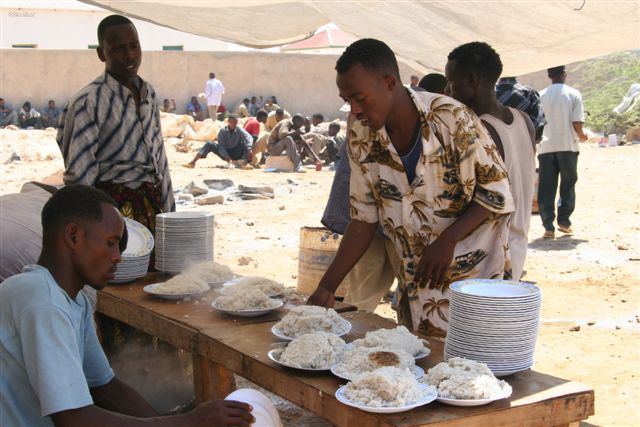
x: 424, y: 167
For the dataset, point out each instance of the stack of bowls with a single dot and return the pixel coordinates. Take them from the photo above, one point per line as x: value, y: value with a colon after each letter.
x: 494, y: 322
x: 135, y: 258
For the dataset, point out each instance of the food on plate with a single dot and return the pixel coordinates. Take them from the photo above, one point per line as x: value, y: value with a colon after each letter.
x: 464, y: 379
x: 386, y: 387
x: 356, y: 360
x: 243, y: 284
x: 398, y: 338
x: 252, y: 300
x: 182, y: 285
x: 319, y: 350
x: 210, y: 272
x: 307, y: 319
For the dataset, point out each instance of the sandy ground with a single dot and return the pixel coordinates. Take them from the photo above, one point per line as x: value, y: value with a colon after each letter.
x: 593, y: 276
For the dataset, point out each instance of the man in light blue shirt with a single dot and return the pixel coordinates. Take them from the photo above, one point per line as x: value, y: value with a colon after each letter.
x: 54, y: 371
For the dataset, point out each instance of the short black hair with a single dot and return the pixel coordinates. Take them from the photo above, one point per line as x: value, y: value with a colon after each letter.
x: 298, y: 118
x: 246, y: 100
x: 279, y: 112
x: 478, y: 58
x: 110, y: 21
x: 372, y: 54
x: 555, y: 71
x: 334, y: 125
x: 212, y: 75
x: 318, y: 116
x: 26, y: 104
x: 434, y: 83
x: 274, y: 99
x: 232, y: 117
x: 261, y: 113
x: 72, y: 203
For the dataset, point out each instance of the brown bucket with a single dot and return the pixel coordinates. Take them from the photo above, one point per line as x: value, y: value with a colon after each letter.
x: 318, y: 247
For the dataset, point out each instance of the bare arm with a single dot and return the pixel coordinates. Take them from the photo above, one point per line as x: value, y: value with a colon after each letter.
x: 119, y: 397
x: 437, y: 257
x: 577, y: 126
x: 355, y: 242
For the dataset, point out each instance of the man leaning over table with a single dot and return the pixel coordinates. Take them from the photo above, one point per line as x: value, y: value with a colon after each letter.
x: 425, y: 169
x: 54, y: 371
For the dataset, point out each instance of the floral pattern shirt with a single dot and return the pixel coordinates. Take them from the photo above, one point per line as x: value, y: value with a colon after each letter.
x: 459, y: 164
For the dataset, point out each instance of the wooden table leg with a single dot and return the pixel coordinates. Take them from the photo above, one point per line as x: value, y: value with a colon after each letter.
x: 210, y: 380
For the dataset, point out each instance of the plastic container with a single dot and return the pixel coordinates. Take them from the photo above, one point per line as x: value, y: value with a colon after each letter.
x: 264, y: 411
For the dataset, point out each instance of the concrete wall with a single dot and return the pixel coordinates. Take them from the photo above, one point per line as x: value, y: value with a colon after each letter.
x: 302, y: 83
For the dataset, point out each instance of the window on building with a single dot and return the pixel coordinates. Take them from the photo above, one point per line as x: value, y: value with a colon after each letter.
x: 24, y: 46
x: 172, y: 47
x: 92, y: 46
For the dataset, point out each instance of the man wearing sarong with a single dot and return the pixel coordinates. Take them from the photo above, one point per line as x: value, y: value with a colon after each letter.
x: 425, y: 169
x: 110, y: 136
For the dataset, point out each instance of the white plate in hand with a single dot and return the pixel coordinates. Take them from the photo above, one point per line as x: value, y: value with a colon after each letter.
x: 248, y: 313
x: 384, y: 409
x: 275, y: 354
x: 470, y: 402
x: 417, y: 372
x: 152, y: 289
x: 280, y: 334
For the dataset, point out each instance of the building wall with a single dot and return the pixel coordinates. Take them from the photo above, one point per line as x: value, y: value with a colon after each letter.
x: 302, y: 83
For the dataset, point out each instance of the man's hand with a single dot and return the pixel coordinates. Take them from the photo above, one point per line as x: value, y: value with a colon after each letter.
x: 223, y: 413
x: 435, y: 263
x: 322, y: 297
x: 249, y: 156
x: 583, y: 137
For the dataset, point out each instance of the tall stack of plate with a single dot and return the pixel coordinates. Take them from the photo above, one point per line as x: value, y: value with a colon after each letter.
x: 135, y: 258
x: 494, y: 322
x: 182, y: 239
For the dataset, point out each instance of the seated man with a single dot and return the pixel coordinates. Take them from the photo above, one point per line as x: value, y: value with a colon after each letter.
x: 54, y: 370
x: 51, y: 115
x: 260, y: 137
x: 234, y: 143
x: 168, y: 106
x: 274, y: 118
x: 270, y: 105
x: 242, y: 110
x: 7, y: 115
x: 283, y: 139
x: 194, y: 109
x: 335, y: 141
x: 29, y: 117
x: 254, y: 107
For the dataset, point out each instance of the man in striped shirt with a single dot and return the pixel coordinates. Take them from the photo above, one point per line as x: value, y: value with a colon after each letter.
x: 510, y: 93
x: 110, y: 134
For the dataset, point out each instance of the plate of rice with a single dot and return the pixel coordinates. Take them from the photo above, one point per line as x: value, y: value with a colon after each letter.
x: 311, y: 352
x: 210, y: 272
x: 398, y: 338
x: 307, y: 319
x: 252, y: 303
x: 357, y: 360
x: 242, y: 284
x: 387, y: 390
x: 177, y: 288
x: 464, y: 382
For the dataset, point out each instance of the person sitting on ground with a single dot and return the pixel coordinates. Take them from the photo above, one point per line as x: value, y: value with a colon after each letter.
x: 242, y: 110
x: 472, y: 71
x: 8, y: 116
x: 335, y: 141
x: 260, y: 136
x: 51, y: 115
x: 434, y: 83
x: 317, y: 133
x: 29, y: 117
x: 168, y: 106
x: 234, y: 143
x: 254, y: 107
x: 194, y: 109
x: 54, y: 370
x: 252, y: 125
x: 283, y: 139
x: 270, y: 105
x: 275, y: 117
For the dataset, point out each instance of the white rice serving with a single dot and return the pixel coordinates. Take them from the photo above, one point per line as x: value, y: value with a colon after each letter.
x: 319, y: 350
x: 182, y: 285
x: 398, y: 338
x: 243, y: 284
x: 465, y: 379
x: 307, y: 319
x: 386, y: 387
x: 210, y: 272
x: 357, y: 360
x: 251, y: 300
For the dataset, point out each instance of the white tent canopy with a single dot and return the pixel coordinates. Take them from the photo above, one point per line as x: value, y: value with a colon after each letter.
x: 528, y: 35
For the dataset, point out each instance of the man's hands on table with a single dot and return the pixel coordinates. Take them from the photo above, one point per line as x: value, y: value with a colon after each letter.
x: 435, y: 262
x: 323, y: 297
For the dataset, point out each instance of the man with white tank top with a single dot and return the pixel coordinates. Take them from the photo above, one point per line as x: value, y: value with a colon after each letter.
x: 472, y: 71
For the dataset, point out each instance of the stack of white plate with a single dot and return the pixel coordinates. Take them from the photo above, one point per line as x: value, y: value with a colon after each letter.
x: 494, y: 322
x: 182, y: 239
x: 135, y: 258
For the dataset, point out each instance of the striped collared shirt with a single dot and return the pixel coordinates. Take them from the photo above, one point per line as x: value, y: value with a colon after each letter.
x: 103, y: 139
x: 512, y: 94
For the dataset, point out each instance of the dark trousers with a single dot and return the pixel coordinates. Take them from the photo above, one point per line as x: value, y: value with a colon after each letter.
x: 565, y: 165
x: 237, y: 153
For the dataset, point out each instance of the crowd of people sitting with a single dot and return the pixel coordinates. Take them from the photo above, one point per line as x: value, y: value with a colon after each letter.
x: 27, y: 117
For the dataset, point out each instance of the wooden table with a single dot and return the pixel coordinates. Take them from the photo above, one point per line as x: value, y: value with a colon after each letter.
x: 222, y: 345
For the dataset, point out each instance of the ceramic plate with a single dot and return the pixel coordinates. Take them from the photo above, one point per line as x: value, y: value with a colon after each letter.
x: 387, y: 410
